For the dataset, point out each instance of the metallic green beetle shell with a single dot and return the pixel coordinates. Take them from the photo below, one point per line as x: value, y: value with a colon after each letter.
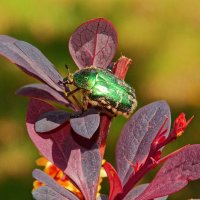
x: 104, y: 89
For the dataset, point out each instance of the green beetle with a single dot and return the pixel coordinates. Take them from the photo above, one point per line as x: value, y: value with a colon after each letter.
x: 102, y: 88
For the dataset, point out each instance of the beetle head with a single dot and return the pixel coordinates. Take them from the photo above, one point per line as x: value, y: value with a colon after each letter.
x: 69, y: 78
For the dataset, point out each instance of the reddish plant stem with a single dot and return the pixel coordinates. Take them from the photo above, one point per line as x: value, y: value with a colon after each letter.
x: 136, y: 177
x: 148, y: 165
x: 171, y: 137
x: 103, y: 133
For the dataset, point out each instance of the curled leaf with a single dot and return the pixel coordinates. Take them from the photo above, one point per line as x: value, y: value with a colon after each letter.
x: 93, y: 43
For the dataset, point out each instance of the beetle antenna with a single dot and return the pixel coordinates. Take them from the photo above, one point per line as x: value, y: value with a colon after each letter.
x: 67, y: 67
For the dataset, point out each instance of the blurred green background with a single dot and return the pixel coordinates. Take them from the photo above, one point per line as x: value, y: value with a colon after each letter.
x: 161, y: 37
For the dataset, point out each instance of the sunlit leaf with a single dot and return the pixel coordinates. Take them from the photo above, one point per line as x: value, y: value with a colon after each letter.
x: 93, y: 43
x: 43, y: 92
x: 137, y: 135
x: 30, y: 60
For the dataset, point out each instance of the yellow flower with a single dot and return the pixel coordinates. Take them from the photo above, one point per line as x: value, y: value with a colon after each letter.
x: 57, y: 175
x: 61, y: 178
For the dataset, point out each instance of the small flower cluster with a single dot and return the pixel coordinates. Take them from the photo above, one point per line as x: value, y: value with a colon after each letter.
x: 57, y: 175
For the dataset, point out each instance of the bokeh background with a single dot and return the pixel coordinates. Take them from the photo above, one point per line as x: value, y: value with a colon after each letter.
x: 161, y: 37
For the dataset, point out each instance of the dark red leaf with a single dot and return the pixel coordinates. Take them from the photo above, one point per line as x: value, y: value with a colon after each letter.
x: 86, y: 124
x: 78, y: 163
x: 93, y: 43
x: 50, y: 121
x: 30, y: 60
x: 43, y: 92
x: 137, y: 135
x: 178, y: 170
x: 53, y: 187
x: 135, y: 192
x: 114, y: 181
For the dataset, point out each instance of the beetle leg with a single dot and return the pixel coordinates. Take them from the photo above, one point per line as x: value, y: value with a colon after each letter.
x: 77, y: 102
x: 85, y: 102
x: 72, y: 92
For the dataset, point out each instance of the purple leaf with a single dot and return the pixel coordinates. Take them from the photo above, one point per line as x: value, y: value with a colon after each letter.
x: 135, y: 192
x: 137, y: 135
x: 50, y: 121
x: 93, y: 43
x: 6, y: 38
x: 45, y: 192
x: 80, y: 164
x: 30, y: 60
x: 182, y: 167
x: 53, y: 187
x: 86, y: 124
x: 43, y: 92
